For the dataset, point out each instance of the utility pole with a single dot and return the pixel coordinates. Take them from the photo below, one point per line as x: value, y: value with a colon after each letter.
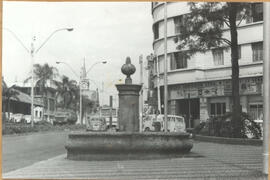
x: 111, y: 106
x: 158, y: 88
x: 165, y: 70
x: 266, y: 84
x: 32, y: 51
x: 141, y: 98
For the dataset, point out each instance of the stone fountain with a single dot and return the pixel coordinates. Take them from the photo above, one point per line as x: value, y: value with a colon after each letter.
x: 128, y: 143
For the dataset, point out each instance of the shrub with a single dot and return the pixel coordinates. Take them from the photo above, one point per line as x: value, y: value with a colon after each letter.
x: 221, y: 126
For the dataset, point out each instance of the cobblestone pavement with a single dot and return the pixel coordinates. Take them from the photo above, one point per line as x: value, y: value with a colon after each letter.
x: 207, y: 161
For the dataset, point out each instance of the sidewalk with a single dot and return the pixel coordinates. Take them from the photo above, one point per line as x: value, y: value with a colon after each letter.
x: 209, y: 161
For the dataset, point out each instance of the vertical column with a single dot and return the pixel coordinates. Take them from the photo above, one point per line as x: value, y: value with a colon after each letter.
x: 228, y: 105
x: 111, y: 106
x: 266, y: 87
x: 165, y: 69
x: 128, y: 107
x: 203, y: 109
x: 244, y: 103
x: 172, y: 107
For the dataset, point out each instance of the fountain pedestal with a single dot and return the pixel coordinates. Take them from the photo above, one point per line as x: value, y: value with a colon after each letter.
x: 128, y: 116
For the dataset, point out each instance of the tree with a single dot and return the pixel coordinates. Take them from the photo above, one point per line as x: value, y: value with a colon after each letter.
x: 67, y: 92
x: 7, y: 94
x: 42, y: 74
x: 202, y: 29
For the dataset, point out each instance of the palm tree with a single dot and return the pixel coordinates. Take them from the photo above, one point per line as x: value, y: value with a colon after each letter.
x: 67, y: 91
x: 43, y: 74
x: 7, y: 94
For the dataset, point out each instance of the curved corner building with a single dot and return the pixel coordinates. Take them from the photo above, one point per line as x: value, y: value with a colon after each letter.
x: 200, y: 87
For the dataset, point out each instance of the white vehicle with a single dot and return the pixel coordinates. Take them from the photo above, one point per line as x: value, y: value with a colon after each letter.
x: 27, y: 118
x: 174, y: 124
x: 17, y: 117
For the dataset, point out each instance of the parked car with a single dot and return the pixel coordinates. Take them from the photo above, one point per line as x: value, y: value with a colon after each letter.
x: 96, y: 123
x: 17, y: 117
x: 156, y: 123
x: 27, y: 118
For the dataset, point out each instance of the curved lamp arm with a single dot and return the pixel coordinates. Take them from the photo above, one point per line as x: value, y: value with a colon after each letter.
x: 17, y: 38
x: 46, y: 40
x: 103, y: 62
x: 60, y: 62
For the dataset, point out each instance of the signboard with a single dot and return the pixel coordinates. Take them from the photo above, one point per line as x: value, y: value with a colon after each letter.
x: 215, y: 88
x: 108, y: 112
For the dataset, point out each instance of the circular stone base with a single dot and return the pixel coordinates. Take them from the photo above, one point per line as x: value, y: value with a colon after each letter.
x: 123, y: 145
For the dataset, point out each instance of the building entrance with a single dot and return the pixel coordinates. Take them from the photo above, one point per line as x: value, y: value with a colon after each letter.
x: 190, y: 109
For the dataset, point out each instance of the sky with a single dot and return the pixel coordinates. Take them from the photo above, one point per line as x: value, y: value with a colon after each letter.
x: 108, y: 31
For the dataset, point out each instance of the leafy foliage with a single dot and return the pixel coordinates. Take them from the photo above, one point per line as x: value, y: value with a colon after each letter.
x: 202, y: 30
x: 7, y: 94
x: 43, y: 73
x: 67, y: 92
x: 222, y: 127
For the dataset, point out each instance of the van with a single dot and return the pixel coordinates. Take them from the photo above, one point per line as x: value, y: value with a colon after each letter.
x: 174, y: 124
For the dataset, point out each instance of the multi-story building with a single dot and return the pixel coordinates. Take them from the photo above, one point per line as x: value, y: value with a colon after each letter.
x: 48, y: 98
x: 200, y: 87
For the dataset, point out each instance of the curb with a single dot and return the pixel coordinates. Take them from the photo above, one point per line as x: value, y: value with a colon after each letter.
x: 222, y: 140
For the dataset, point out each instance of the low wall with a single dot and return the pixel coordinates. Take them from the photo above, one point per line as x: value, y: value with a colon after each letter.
x: 223, y: 140
x: 115, y: 146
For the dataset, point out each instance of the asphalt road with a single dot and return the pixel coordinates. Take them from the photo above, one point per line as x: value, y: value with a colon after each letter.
x: 23, y: 150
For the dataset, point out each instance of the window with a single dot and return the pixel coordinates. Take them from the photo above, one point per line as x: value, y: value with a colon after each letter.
x: 257, y: 51
x: 40, y: 114
x: 156, y: 30
x: 218, y: 57
x: 239, y: 52
x: 178, y: 22
x: 36, y: 113
x: 256, y: 111
x: 51, y: 101
x: 45, y: 103
x: 217, y: 109
x: 178, y: 60
x: 256, y: 13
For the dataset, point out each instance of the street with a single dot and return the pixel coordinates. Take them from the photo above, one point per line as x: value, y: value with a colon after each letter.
x: 208, y: 161
x: 23, y: 150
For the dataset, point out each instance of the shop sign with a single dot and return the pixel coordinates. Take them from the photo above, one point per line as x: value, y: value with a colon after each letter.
x: 217, y: 88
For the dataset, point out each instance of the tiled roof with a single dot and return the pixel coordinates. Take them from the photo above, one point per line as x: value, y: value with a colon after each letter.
x: 23, y: 97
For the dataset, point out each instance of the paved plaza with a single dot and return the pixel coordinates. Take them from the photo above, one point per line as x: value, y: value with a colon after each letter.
x: 207, y: 161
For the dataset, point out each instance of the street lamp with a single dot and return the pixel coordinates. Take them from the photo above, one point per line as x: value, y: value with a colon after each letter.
x: 80, y: 81
x: 103, y: 62
x: 32, y: 53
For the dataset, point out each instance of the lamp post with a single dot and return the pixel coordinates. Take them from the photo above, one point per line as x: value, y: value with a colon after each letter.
x: 165, y: 70
x: 81, y: 78
x: 32, y: 52
x: 266, y: 86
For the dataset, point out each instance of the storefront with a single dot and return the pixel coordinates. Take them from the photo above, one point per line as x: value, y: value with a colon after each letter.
x: 198, y: 101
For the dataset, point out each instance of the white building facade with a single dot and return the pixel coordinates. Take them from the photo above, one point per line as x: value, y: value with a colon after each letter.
x: 200, y: 87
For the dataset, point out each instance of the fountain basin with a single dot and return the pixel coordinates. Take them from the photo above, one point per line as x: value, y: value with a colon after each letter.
x: 126, y: 145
